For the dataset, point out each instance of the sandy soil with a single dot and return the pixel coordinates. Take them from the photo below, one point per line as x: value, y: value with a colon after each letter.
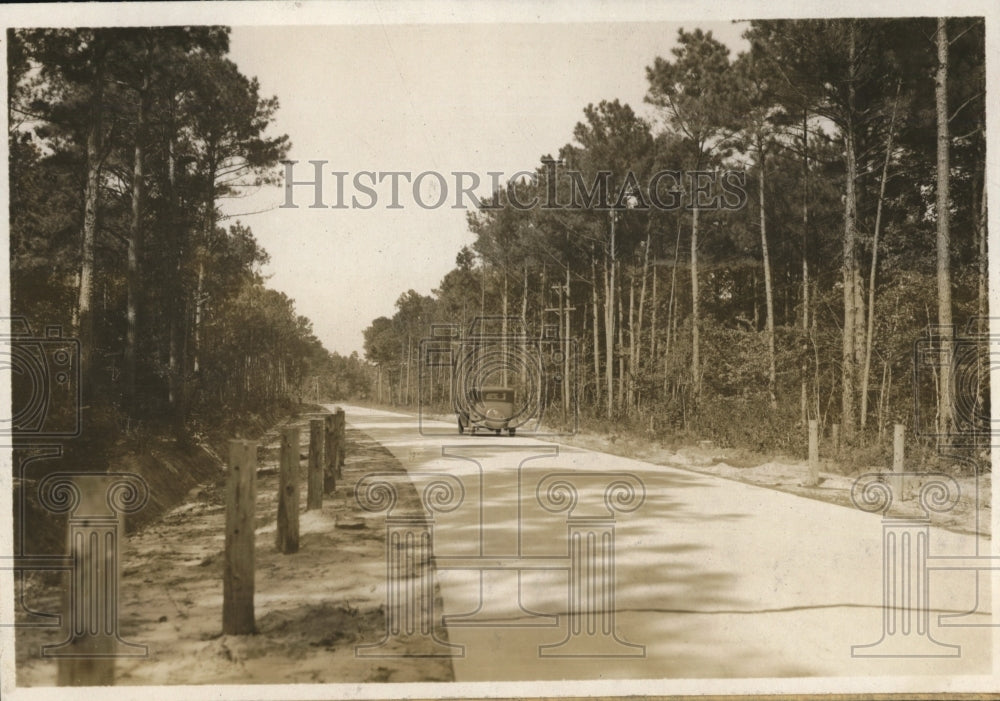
x: 971, y: 514
x: 312, y: 608
x: 790, y: 475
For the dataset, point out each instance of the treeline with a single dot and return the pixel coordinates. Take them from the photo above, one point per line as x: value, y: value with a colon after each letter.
x: 862, y: 144
x: 123, y: 144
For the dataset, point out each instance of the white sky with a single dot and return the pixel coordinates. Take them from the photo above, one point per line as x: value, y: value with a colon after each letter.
x: 444, y: 97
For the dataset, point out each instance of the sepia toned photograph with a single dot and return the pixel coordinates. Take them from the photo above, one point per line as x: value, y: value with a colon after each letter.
x: 466, y: 350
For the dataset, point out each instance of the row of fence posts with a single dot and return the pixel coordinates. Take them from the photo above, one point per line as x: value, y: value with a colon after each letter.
x: 325, y: 461
x: 898, y: 453
x: 96, y: 504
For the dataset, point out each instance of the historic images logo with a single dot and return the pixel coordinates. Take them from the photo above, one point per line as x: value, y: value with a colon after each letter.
x: 43, y: 372
x: 497, y: 377
x: 957, y: 366
x: 551, y: 189
x: 480, y: 518
x: 493, y: 560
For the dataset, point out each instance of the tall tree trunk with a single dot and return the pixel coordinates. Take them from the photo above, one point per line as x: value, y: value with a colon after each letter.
x: 542, y: 306
x: 609, y: 321
x: 637, y: 332
x: 982, y: 296
x: 198, y: 311
x: 201, y: 253
x: 813, y: 335
x: 859, y: 317
x: 982, y: 369
x: 805, y: 263
x: 524, y: 326
x: 850, y: 270
x: 630, y: 384
x: 671, y: 305
x: 882, y: 399
x: 504, y: 334
x: 695, y: 317
x: 652, y: 316
x: 943, y: 228
x: 768, y: 292
x: 482, y: 291
x: 870, y: 333
x: 850, y: 276
x: 176, y: 313
x: 541, y: 303
x: 408, y: 345
x: 135, y: 244
x: 92, y: 192
x: 787, y: 296
x: 621, y: 347
x: 596, y: 334
x: 566, y: 379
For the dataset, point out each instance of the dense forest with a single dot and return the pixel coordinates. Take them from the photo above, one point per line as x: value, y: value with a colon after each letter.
x: 123, y: 144
x: 861, y: 150
x: 862, y: 147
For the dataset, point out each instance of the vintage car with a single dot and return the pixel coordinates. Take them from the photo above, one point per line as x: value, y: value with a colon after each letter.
x: 491, y: 408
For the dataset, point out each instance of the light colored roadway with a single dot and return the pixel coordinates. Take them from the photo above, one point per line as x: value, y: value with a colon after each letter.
x: 714, y: 577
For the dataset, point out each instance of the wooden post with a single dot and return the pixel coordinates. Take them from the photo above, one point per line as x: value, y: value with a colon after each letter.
x: 287, y: 538
x: 813, y: 479
x: 835, y: 438
x: 314, y: 494
x: 238, y: 570
x: 341, y: 441
x: 898, y: 458
x: 330, y: 467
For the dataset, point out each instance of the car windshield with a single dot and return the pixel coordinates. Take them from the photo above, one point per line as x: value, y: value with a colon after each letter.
x: 497, y: 394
